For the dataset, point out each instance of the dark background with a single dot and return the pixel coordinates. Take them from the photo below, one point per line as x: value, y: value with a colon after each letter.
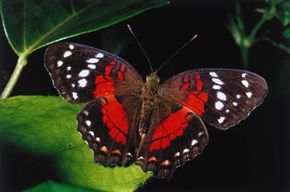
x: 252, y: 156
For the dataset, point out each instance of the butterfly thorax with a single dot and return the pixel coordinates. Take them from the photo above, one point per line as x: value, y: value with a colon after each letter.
x: 150, y: 94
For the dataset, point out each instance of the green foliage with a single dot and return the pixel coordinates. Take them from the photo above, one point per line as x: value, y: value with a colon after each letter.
x: 279, y: 9
x: 30, y: 25
x: 51, y: 186
x: 286, y: 33
x: 49, y: 130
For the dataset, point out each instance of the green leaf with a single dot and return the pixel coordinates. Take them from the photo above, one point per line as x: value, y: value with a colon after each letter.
x: 51, y: 186
x: 46, y: 126
x: 283, y: 12
x: 30, y: 25
x: 274, y: 2
x: 236, y: 26
x: 286, y: 33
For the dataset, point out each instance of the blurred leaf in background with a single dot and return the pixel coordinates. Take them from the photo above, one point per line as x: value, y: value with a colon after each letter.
x: 279, y: 9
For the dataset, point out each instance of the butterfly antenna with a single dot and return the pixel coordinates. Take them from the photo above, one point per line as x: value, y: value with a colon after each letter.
x: 176, y: 52
x: 147, y: 58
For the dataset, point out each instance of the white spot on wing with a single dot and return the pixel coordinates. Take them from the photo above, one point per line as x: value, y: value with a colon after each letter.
x: 227, y: 111
x: 92, y: 133
x: 244, y: 75
x: 140, y: 158
x: 59, y: 63
x: 92, y: 60
x: 220, y: 95
x: 84, y: 73
x: 216, y: 87
x: 68, y: 76
x: 100, y: 55
x: 88, y: 122
x: 98, y: 139
x: 68, y: 68
x: 67, y: 54
x: 74, y: 95
x: 71, y: 46
x: 200, y: 134
x: 177, y: 154
x: 213, y: 74
x: 221, y: 120
x: 91, y: 66
x: 82, y: 82
x: 245, y: 83
x: 86, y: 112
x: 219, y: 105
x: 235, y: 103
x: 73, y: 85
x: 238, y: 96
x: 249, y: 94
x: 217, y: 81
x: 194, y: 142
x: 185, y: 150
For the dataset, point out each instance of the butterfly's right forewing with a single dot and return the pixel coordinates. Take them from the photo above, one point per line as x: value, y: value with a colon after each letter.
x: 221, y: 97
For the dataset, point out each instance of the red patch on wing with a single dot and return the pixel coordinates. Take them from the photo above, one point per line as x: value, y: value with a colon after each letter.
x: 105, y: 83
x: 197, y: 98
x: 121, y: 72
x: 171, y: 128
x: 104, y: 86
x: 115, y: 118
x: 109, y: 68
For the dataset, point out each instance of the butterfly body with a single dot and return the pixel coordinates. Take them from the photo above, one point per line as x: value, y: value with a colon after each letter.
x: 159, y: 126
x: 150, y: 95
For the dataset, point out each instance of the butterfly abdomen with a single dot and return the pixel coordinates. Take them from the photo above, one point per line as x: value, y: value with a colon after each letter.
x: 149, y: 96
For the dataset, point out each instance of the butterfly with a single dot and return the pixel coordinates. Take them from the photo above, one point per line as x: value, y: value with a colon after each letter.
x: 159, y: 126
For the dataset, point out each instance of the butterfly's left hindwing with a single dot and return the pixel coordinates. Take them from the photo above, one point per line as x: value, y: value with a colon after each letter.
x: 109, y: 130
x: 110, y: 86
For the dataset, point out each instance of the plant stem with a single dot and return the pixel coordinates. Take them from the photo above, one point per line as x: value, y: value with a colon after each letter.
x: 245, y: 55
x: 268, y: 15
x: 247, y: 42
x: 21, y: 62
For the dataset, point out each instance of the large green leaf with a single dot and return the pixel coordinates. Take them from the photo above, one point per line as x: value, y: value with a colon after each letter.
x: 46, y: 126
x: 51, y: 186
x: 32, y: 24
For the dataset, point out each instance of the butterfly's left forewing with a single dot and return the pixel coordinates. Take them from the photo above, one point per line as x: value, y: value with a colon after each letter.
x: 81, y: 73
x: 110, y: 86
